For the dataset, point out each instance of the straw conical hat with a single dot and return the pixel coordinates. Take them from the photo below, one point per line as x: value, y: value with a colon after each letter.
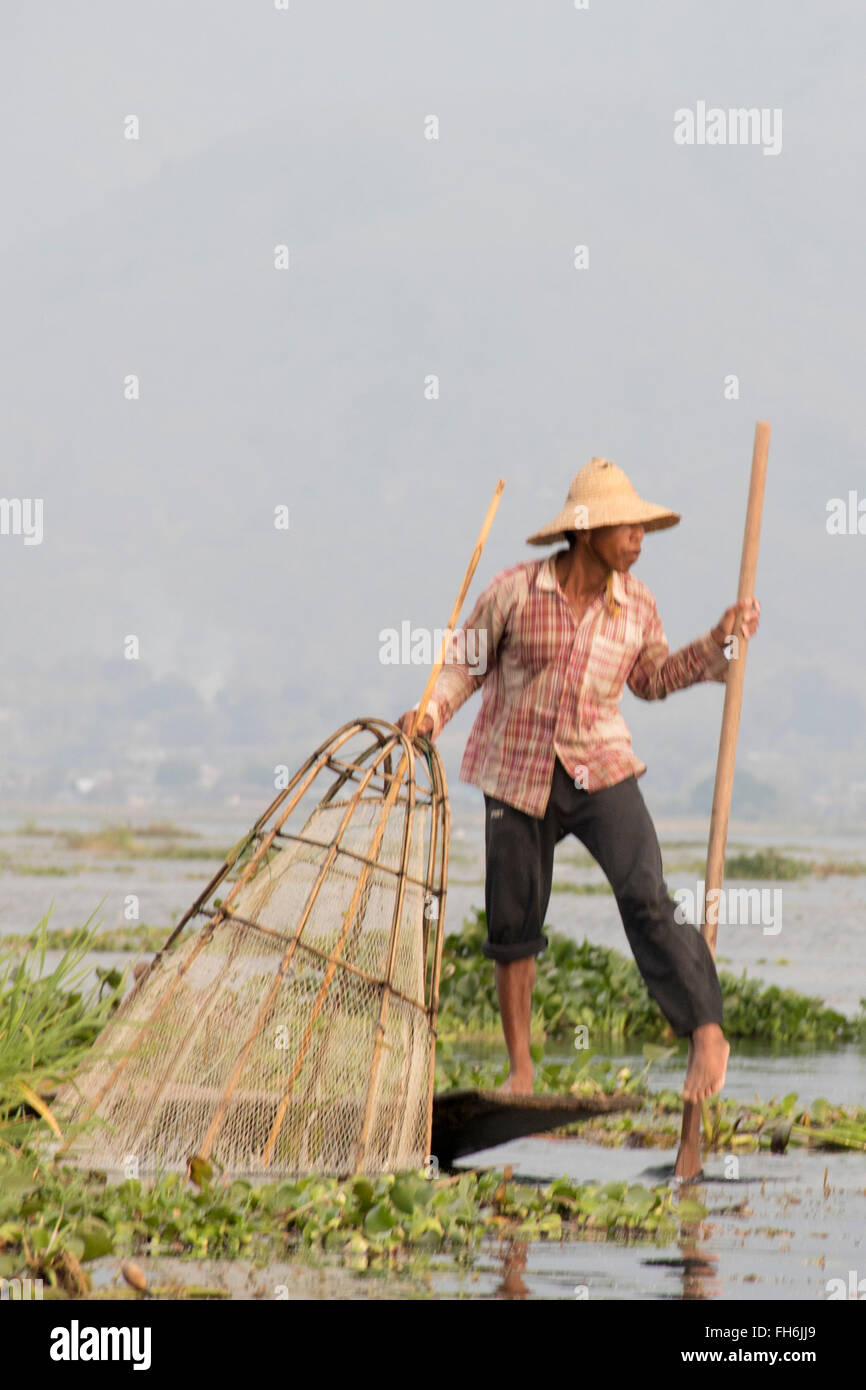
x: 601, y: 495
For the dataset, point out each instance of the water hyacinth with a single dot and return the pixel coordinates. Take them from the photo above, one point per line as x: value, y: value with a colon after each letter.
x: 581, y: 983
x: 54, y: 1221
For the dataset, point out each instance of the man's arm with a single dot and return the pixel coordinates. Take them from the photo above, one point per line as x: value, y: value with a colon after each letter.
x: 472, y: 652
x: 656, y: 672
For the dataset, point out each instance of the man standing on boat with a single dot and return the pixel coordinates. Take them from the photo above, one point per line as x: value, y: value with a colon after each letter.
x: 553, y: 756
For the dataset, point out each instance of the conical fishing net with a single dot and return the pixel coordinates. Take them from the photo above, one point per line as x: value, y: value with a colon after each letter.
x: 294, y: 1032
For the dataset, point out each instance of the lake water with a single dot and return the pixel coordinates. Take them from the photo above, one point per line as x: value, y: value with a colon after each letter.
x: 782, y: 1230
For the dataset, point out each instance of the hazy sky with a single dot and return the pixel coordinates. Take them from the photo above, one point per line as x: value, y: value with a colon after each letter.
x: 410, y: 257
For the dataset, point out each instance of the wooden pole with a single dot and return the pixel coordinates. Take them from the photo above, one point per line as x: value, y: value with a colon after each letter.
x: 724, y: 784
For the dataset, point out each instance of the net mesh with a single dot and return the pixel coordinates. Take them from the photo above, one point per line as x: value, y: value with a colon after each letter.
x: 294, y: 1032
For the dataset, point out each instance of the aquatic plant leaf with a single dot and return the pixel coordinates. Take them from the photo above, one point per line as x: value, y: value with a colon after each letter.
x: 97, y: 1238
x: 690, y: 1209
x: 378, y: 1220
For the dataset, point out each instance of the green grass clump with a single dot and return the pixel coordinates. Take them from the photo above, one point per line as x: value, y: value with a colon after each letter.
x: 47, y: 1024
x: 767, y: 863
x: 580, y: 983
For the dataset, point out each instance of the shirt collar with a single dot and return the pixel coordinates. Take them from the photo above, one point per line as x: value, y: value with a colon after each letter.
x: 547, y: 579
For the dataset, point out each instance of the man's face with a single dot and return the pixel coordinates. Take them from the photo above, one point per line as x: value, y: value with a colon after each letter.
x: 618, y: 546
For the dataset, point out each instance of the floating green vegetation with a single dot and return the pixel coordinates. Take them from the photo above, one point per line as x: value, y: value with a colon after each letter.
x: 729, y: 1125
x: 166, y: 830
x: 110, y: 839
x: 770, y: 863
x: 14, y: 866
x: 31, y: 829
x: 590, y: 1074
x: 127, y: 839
x: 751, y: 864
x: 162, y: 830
x: 138, y: 938
x: 732, y: 1126
x: 766, y: 863
x: 54, y: 1220
x: 199, y: 852
x: 581, y: 983
x: 848, y: 867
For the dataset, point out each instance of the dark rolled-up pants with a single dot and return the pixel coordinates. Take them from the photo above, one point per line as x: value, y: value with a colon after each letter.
x: 615, y: 826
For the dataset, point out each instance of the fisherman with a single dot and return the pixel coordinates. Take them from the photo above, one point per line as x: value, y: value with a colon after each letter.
x: 553, y: 756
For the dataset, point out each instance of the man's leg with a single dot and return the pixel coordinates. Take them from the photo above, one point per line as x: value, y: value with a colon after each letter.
x: 518, y: 877
x: 672, y: 956
x: 514, y: 982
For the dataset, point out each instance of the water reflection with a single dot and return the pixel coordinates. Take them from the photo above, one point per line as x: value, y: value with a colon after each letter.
x: 513, y: 1255
x: 697, y: 1264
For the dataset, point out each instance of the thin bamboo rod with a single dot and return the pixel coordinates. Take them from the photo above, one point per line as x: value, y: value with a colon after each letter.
x: 433, y: 1016
x: 440, y: 933
x: 458, y: 604
x: 419, y: 715
x: 435, y: 819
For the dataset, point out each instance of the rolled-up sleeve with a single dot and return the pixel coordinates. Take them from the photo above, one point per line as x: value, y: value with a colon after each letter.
x: 657, y: 672
x: 471, y: 654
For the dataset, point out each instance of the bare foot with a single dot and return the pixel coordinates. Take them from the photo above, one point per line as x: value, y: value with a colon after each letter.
x: 519, y: 1083
x: 708, y: 1061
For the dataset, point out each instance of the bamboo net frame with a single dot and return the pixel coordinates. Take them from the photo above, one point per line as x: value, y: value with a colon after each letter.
x: 187, y: 1069
x: 289, y: 1027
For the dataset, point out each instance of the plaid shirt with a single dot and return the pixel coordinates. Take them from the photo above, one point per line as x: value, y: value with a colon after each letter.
x: 552, y: 686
